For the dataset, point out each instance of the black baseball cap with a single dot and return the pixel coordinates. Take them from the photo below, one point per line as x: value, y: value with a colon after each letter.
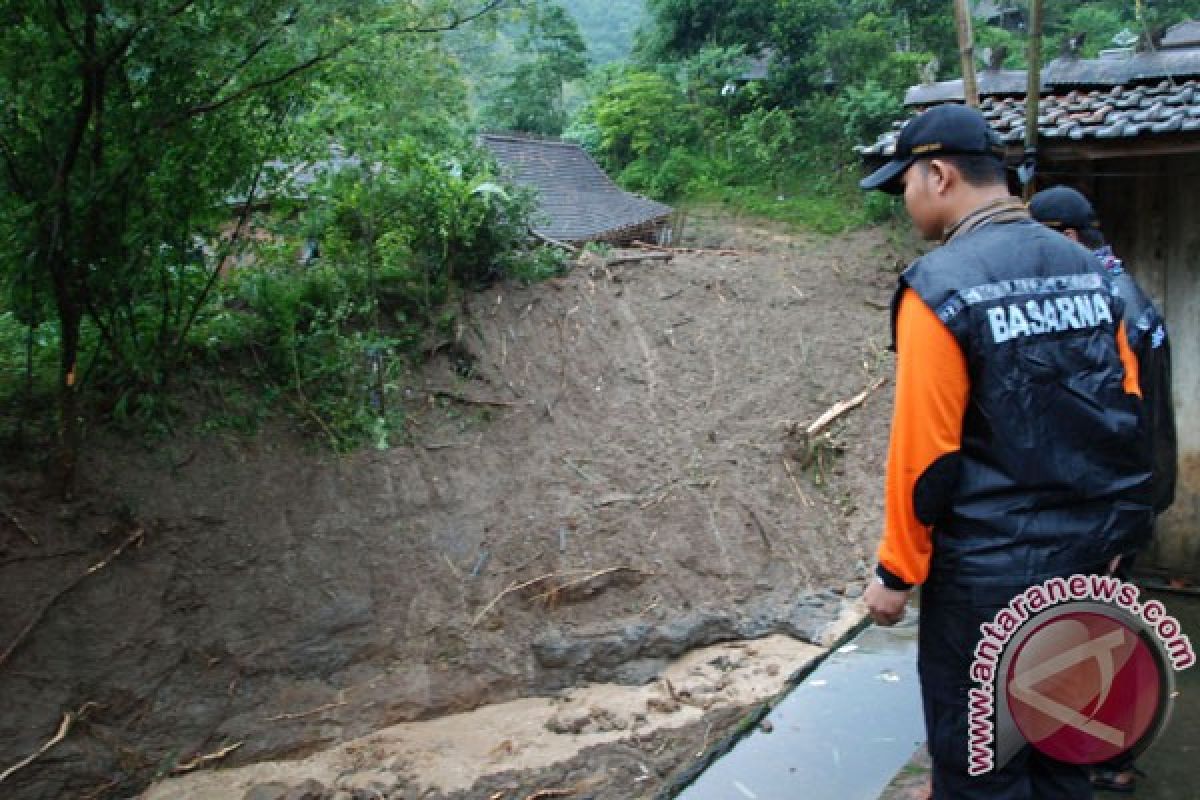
x: 950, y: 129
x: 1061, y: 207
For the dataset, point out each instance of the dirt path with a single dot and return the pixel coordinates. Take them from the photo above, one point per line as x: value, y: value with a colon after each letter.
x: 623, y: 432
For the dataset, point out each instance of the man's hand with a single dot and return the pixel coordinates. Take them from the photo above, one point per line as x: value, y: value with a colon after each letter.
x: 886, y: 605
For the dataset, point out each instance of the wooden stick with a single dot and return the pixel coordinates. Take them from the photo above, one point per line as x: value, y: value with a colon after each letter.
x: 635, y: 257
x: 570, y: 248
x: 549, y: 794
x: 512, y: 587
x: 698, y: 250
x: 20, y: 528
x: 309, y: 713
x: 841, y: 408
x: 64, y: 728
x: 200, y: 761
x: 966, y: 52
x: 580, y: 581
x: 137, y: 535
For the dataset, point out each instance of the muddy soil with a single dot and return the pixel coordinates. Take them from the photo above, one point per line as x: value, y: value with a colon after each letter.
x: 606, y: 491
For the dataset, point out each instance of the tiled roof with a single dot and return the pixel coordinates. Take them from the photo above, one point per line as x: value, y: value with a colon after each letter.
x: 1114, y: 69
x: 1185, y: 34
x: 989, y: 82
x: 577, y: 201
x: 1121, y: 67
x: 1118, y: 112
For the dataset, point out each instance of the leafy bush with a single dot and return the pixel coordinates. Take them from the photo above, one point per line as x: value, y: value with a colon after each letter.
x: 399, y: 241
x: 868, y: 111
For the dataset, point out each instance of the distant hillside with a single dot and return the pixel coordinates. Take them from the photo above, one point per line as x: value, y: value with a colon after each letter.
x: 607, y: 26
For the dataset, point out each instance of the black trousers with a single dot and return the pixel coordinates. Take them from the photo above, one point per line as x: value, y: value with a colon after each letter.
x: 950, y: 617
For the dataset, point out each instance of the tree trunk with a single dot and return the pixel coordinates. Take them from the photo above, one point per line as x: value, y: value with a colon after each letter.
x: 70, y: 316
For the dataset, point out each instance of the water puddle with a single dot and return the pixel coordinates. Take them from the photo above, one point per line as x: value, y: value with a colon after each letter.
x: 841, y: 734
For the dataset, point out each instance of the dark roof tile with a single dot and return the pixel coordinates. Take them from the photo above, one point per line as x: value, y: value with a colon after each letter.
x: 577, y: 202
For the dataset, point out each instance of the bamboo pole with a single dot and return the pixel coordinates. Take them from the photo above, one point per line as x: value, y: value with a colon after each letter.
x: 966, y: 51
x: 1033, y: 93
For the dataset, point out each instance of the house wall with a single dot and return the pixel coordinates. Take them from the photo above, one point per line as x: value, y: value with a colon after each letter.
x: 1150, y: 210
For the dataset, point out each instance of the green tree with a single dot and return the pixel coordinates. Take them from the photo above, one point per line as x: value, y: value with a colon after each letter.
x: 682, y: 27
x: 642, y: 116
x: 128, y: 125
x: 549, y: 54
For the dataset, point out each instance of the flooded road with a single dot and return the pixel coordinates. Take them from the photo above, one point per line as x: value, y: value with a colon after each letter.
x: 841, y: 734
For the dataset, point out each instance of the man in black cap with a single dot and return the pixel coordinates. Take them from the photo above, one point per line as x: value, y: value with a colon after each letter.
x: 1070, y: 213
x: 1015, y: 453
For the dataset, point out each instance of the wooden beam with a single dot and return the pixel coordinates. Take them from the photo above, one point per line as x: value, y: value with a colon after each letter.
x: 966, y: 51
x: 1033, y: 94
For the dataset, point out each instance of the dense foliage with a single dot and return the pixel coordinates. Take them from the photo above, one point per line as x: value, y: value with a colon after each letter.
x: 281, y: 203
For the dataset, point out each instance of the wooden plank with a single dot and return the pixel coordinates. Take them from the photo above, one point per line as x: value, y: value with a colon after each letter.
x: 1053, y: 151
x: 1149, y: 267
x: 1178, y: 542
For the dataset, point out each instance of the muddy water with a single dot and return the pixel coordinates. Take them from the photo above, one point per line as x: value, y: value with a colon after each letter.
x: 451, y: 753
x: 840, y: 735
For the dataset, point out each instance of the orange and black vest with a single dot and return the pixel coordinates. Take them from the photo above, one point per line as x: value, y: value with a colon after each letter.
x: 1053, y: 474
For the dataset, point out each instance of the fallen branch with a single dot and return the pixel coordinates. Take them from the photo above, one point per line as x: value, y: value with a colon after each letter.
x: 137, y: 535
x: 576, y: 577
x: 200, y: 761
x: 698, y: 250
x: 309, y: 713
x: 840, y: 409
x: 632, y: 258
x: 64, y: 728
x: 548, y: 794
x: 512, y: 587
x: 550, y: 595
x: 20, y: 528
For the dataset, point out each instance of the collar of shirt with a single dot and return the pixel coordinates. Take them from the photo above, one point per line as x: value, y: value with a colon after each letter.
x: 1004, y: 209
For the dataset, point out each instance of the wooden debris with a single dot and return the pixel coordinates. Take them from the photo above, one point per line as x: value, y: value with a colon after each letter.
x: 806, y: 444
x: 840, y: 409
x: 633, y: 258
x: 311, y: 712
x: 200, y: 761
x: 64, y: 727
x: 20, y: 528
x: 570, y: 580
x: 570, y: 248
x: 689, y: 250
x: 136, y: 536
x: 556, y: 594
x: 795, y: 483
x: 549, y: 794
